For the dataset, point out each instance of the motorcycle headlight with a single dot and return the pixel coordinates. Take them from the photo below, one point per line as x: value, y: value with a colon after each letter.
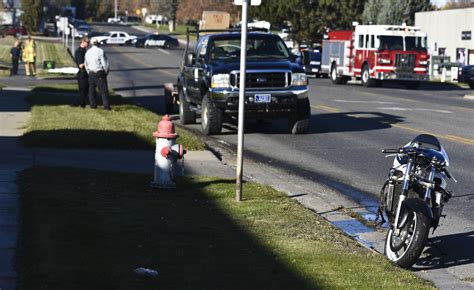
x: 220, y: 81
x: 299, y: 79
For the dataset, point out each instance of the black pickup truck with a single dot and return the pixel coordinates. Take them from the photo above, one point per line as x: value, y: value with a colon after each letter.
x: 208, y: 82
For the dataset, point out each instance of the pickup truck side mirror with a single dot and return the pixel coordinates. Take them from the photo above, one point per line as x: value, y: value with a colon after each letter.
x: 189, y: 59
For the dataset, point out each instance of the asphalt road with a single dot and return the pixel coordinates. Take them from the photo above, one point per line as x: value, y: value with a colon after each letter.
x: 350, y: 125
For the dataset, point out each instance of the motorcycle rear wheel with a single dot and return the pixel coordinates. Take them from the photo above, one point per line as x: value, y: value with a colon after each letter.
x: 405, y: 249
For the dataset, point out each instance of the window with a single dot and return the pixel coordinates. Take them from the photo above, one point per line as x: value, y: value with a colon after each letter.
x: 372, y: 41
x: 390, y: 42
x: 361, y: 41
x: 415, y: 43
x: 367, y: 45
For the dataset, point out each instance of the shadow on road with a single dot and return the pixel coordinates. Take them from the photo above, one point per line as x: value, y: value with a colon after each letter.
x: 447, y: 251
x: 352, y: 122
x: 324, y: 123
x: 426, y: 86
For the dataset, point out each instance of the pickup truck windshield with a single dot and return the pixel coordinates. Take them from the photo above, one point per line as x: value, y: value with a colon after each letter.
x: 257, y: 48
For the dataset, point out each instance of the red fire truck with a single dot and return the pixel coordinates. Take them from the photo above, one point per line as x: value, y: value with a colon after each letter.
x: 375, y: 53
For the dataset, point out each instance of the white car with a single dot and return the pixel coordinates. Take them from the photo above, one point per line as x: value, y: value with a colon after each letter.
x: 115, y: 37
x: 115, y: 20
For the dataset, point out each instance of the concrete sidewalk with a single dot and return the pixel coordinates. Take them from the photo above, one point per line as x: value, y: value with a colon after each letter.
x: 14, y: 113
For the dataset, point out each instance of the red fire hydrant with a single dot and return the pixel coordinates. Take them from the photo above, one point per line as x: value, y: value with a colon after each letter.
x: 166, y: 155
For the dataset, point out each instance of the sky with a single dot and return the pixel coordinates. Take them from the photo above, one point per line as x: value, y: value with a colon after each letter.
x: 439, y: 2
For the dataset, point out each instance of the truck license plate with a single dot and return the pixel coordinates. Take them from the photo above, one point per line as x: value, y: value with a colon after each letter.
x: 315, y: 70
x: 263, y: 98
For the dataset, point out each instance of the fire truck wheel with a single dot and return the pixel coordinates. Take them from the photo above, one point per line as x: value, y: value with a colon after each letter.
x: 334, y: 78
x: 365, y: 77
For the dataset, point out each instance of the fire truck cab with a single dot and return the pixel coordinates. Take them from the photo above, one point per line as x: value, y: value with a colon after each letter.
x: 375, y: 53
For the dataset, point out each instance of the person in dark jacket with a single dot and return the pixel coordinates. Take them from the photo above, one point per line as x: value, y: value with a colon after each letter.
x: 15, y: 53
x: 82, y: 76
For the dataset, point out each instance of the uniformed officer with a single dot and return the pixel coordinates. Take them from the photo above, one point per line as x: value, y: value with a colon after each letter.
x: 82, y: 76
x: 97, y: 67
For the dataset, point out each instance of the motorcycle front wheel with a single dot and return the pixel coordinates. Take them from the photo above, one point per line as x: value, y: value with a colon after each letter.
x: 405, y: 247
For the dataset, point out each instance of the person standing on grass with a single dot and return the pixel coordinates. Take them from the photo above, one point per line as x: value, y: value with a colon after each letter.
x: 97, y: 66
x: 15, y: 53
x: 29, y: 56
x: 82, y: 76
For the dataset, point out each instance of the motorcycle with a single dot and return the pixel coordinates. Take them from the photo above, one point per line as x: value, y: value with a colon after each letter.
x: 413, y: 197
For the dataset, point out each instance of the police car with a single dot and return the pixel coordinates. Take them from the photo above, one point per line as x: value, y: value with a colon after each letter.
x: 115, y: 37
x: 157, y: 40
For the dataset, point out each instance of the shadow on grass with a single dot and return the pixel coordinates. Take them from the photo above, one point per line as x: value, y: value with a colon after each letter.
x: 50, y: 96
x: 91, y: 229
x: 85, y: 139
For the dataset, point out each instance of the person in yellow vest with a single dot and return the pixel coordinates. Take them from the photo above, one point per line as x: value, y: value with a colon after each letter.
x: 29, y: 56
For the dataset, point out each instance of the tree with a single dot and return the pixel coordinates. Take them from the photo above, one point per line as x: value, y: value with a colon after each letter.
x: 168, y: 8
x: 310, y: 18
x: 371, y: 11
x: 456, y: 4
x: 32, y: 13
x: 396, y: 12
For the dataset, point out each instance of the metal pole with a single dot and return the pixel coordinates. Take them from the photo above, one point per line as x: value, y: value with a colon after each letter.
x: 240, y: 141
x: 115, y: 10
x: 73, y: 39
x: 67, y: 44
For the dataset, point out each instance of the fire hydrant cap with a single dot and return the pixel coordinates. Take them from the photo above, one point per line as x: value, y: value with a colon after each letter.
x: 165, y: 129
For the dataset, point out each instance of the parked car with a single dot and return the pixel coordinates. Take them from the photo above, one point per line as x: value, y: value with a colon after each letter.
x: 208, y: 82
x: 466, y: 75
x: 157, y: 40
x: 82, y: 31
x: 310, y: 59
x: 113, y: 20
x: 14, y: 30
x: 115, y: 37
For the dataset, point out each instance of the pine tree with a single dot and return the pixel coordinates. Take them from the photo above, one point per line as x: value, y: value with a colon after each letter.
x: 396, y: 12
x: 32, y: 13
x: 371, y: 11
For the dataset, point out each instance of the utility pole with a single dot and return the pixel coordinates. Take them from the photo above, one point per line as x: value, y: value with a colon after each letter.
x: 115, y: 10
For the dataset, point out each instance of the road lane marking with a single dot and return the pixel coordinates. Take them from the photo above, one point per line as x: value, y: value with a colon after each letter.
x: 326, y: 108
x: 164, y: 51
x: 364, y: 102
x: 414, y: 109
x: 384, y: 95
x: 453, y: 138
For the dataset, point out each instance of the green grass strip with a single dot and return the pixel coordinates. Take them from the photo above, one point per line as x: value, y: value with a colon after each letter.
x: 53, y: 123
x: 85, y: 229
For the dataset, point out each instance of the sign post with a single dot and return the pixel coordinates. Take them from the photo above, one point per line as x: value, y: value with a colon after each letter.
x: 240, y: 138
x: 243, y: 58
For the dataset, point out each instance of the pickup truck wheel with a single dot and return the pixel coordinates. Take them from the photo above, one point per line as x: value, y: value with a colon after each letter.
x: 186, y: 115
x: 298, y: 123
x: 211, y: 117
x: 333, y: 75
